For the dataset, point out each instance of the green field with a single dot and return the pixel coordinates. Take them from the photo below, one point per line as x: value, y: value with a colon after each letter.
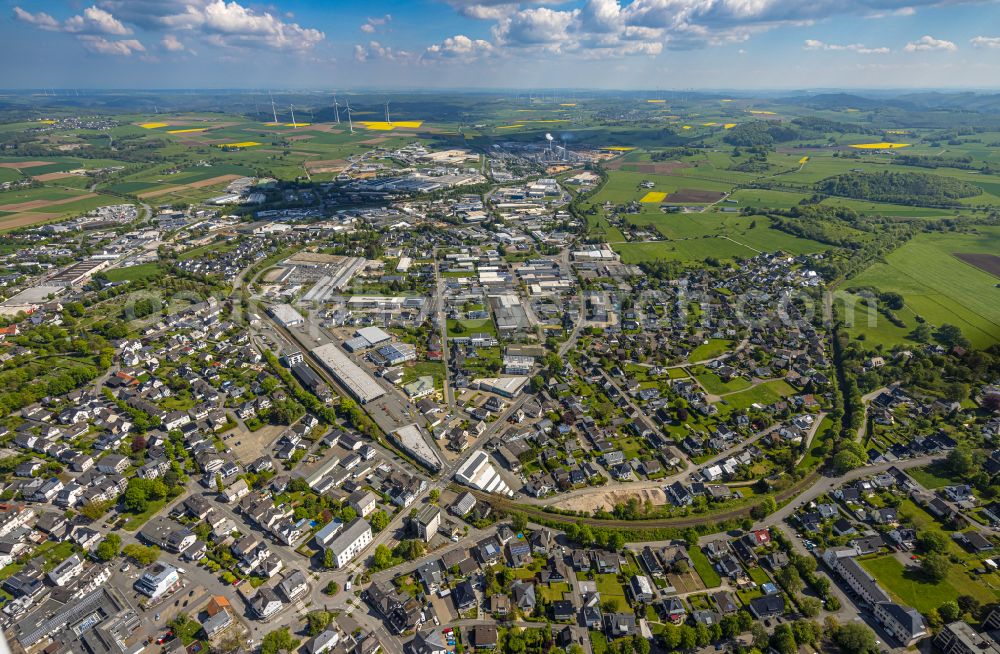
x: 907, y: 584
x: 938, y: 286
x: 704, y: 568
x: 134, y: 273
x: 713, y: 348
x: 766, y: 393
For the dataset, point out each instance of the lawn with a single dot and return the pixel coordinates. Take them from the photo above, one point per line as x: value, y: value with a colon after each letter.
x: 907, y: 584
x: 763, y: 394
x: 138, y: 273
x: 554, y: 592
x: 704, y: 568
x: 712, y: 383
x: 610, y: 589
x: 470, y: 327
x: 139, y: 519
x: 930, y: 477
x: 713, y: 348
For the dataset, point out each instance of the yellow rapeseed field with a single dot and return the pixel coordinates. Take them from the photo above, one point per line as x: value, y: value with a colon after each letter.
x: 803, y: 160
x: 297, y: 124
x: 686, y: 127
x: 654, y: 196
x: 47, y: 122
x: 187, y: 131
x: 758, y: 112
x: 510, y: 126
x: 880, y: 146
x: 152, y: 125
x: 709, y: 124
x: 618, y: 148
x: 382, y: 126
x: 241, y: 144
x: 729, y: 125
x: 656, y: 101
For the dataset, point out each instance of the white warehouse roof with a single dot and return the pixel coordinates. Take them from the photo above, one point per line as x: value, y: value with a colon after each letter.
x: 353, y: 377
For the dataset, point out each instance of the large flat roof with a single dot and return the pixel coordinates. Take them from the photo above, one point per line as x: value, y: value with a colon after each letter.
x: 353, y: 377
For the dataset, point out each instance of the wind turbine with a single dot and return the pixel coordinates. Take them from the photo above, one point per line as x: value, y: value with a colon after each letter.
x: 273, y: 110
x: 336, y: 108
x: 350, y: 123
x: 292, y: 108
x: 387, y: 112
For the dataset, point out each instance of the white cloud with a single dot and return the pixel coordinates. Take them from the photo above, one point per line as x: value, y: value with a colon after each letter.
x: 172, y: 43
x: 813, y: 44
x: 986, y: 42
x: 227, y: 24
x: 371, y: 25
x: 40, y: 20
x: 94, y: 20
x: 929, y: 43
x: 376, y: 51
x: 459, y: 47
x: 101, y: 45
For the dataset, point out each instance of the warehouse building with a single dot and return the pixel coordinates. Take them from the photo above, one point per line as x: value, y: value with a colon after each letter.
x: 361, y: 385
x: 286, y: 315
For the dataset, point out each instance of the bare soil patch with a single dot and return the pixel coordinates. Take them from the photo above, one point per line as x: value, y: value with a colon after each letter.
x: 660, y: 167
x: 986, y: 262
x: 221, y: 179
x: 41, y: 204
x: 376, y: 140
x: 695, y: 195
x: 608, y: 499
x: 301, y: 137
x: 25, y: 219
x: 24, y: 164
x: 48, y: 177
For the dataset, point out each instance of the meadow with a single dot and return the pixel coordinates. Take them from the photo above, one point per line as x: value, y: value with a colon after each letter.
x: 937, y: 286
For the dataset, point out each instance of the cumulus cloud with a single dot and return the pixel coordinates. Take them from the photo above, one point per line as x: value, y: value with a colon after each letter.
x: 227, y: 24
x: 376, y: 51
x: 172, y: 43
x: 371, y: 25
x: 812, y: 44
x: 986, y: 42
x: 101, y: 45
x: 929, y: 43
x: 94, y: 20
x: 40, y: 20
x: 459, y: 47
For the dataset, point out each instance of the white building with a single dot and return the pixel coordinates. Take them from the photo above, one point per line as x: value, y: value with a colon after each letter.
x: 480, y: 474
x: 157, y: 580
x: 355, y: 537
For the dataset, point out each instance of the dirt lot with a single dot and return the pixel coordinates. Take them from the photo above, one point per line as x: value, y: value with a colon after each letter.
x: 695, y: 195
x: 24, y: 164
x: 986, y: 262
x: 326, y: 166
x: 252, y: 444
x: 607, y: 500
x: 221, y: 179
x: 42, y: 204
x: 688, y: 582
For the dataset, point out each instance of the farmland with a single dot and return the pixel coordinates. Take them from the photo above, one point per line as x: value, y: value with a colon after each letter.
x: 938, y: 286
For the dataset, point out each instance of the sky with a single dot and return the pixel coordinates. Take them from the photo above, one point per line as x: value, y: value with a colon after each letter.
x: 492, y: 44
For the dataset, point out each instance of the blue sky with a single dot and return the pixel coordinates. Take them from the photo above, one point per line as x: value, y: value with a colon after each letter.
x: 614, y: 44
